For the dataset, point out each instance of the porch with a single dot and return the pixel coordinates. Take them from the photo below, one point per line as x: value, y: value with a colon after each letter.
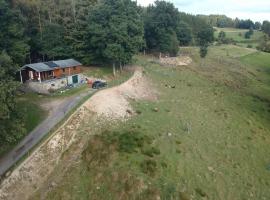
x: 29, y: 74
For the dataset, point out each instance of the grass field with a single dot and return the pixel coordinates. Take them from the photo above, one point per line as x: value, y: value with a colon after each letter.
x: 238, y: 35
x: 207, y: 137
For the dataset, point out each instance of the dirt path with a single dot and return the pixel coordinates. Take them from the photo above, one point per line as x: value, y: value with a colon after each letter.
x: 111, y: 104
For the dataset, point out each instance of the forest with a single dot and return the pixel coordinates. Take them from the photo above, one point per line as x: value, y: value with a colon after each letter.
x: 94, y: 32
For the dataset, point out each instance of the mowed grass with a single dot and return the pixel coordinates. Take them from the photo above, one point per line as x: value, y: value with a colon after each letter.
x: 207, y: 136
x: 238, y: 35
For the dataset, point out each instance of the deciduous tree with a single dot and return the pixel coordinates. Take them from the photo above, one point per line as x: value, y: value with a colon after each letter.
x: 114, y: 32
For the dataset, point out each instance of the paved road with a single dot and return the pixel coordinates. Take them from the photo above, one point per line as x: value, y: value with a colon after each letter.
x: 55, y: 116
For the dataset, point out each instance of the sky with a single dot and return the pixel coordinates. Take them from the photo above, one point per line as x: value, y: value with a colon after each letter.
x: 256, y: 10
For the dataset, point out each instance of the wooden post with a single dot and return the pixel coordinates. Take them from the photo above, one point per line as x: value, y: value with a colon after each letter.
x: 121, y: 67
x: 21, y: 76
x: 39, y: 77
x: 114, y: 73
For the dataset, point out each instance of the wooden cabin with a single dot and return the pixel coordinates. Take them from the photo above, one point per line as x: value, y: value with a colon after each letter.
x: 46, y: 71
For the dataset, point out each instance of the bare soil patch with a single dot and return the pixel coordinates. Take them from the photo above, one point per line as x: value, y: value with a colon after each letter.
x: 176, y: 61
x: 113, y: 104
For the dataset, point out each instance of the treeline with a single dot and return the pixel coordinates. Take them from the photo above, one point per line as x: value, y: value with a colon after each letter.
x: 222, y: 21
x: 89, y: 29
x: 92, y: 31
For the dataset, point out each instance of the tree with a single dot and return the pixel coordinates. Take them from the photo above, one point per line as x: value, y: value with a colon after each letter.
x: 114, y: 32
x: 257, y: 26
x: 249, y: 33
x: 245, y: 24
x: 264, y: 44
x: 161, y: 23
x: 12, y: 35
x: 222, y: 37
x: 184, y: 34
x: 266, y: 27
x: 53, y: 43
x: 204, y: 38
x: 62, y: 21
x: 169, y: 43
x: 11, y: 118
x: 203, y: 51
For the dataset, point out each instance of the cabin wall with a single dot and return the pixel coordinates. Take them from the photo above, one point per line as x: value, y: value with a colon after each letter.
x: 67, y: 71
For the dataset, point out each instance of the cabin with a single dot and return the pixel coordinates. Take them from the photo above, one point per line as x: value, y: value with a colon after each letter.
x: 45, y: 77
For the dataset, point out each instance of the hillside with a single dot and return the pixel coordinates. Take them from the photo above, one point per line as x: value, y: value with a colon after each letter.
x: 238, y: 36
x: 205, y: 136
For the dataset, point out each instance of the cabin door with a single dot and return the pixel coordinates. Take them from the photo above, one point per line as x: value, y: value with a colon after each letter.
x: 75, y: 79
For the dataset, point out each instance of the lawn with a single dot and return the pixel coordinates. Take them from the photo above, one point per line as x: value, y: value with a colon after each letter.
x: 207, y: 137
x: 238, y: 35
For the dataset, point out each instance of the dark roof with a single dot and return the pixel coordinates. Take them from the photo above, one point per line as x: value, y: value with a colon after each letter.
x: 67, y: 63
x: 51, y: 64
x: 48, y: 66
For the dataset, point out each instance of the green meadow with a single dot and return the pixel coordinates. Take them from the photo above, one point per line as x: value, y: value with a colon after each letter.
x: 238, y: 36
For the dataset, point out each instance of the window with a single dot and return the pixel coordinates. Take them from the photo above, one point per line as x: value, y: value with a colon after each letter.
x: 74, y: 68
x: 64, y: 70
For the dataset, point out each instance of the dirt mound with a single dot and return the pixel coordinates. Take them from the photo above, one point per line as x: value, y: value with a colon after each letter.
x: 114, y: 104
x: 176, y: 61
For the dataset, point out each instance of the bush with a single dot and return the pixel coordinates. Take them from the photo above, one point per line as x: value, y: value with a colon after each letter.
x: 247, y: 35
x: 203, y: 51
x: 151, y: 152
x: 249, y: 46
x: 149, y: 167
x: 264, y: 44
x: 130, y: 141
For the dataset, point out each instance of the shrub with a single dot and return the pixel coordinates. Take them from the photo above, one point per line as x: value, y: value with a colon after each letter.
x: 149, y: 167
x: 151, y: 152
x: 130, y: 141
x: 247, y: 35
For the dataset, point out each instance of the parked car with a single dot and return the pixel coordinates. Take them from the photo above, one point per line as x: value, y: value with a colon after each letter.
x: 99, y: 84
